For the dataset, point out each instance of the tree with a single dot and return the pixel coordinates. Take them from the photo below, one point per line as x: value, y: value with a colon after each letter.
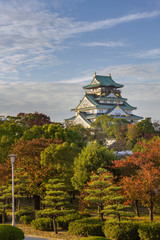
x: 55, y: 131
x: 106, y: 127
x: 9, y: 134
x: 90, y: 159
x: 28, y: 158
x: 5, y: 196
x: 55, y: 200
x: 94, y: 193
x: 131, y: 189
x: 60, y: 158
x: 140, y: 130
x: 102, y: 128
x: 144, y: 165
x: 114, y: 204
x: 31, y: 119
x: 20, y: 185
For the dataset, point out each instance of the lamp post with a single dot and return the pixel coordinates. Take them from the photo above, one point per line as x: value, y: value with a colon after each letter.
x: 12, y: 157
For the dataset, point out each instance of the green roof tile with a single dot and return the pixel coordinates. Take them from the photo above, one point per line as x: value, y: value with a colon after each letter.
x: 105, y: 81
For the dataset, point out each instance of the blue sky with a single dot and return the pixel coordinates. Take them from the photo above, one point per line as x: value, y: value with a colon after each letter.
x: 51, y: 48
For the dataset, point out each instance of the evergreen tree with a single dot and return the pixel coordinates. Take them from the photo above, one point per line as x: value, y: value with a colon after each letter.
x: 5, y: 196
x: 20, y: 185
x: 94, y: 193
x: 55, y: 200
x: 114, y: 204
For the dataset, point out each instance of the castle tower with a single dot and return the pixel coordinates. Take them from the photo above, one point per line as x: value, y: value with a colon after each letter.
x: 102, y: 97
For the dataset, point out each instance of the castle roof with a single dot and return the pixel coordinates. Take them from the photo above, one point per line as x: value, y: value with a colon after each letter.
x: 104, y: 81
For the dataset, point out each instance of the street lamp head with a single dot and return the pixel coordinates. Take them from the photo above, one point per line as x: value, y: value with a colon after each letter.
x: 12, y: 157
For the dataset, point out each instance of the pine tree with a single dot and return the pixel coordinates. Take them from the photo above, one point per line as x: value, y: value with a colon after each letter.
x: 55, y: 200
x: 114, y: 203
x: 94, y: 193
x: 5, y: 196
x: 20, y: 185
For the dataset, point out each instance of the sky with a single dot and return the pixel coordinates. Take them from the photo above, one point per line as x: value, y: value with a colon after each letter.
x: 50, y: 49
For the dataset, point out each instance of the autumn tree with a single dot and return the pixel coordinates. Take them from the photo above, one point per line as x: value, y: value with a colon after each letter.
x: 144, y: 165
x: 131, y: 189
x: 31, y: 119
x: 90, y: 159
x: 28, y: 158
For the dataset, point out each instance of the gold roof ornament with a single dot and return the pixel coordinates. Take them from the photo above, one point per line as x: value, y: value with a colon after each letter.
x: 110, y: 75
x: 95, y: 74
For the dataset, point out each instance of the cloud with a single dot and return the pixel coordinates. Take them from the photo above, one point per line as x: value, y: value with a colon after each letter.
x: 31, y: 34
x: 57, y: 99
x: 145, y: 97
x: 138, y: 73
x: 104, y: 44
x: 152, y: 53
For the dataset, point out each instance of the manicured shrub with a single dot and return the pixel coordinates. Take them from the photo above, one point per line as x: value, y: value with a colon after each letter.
x: 43, y: 224
x: 63, y: 221
x: 26, y: 212
x: 86, y: 227
x: 94, y: 238
x: 124, y: 230
x: 149, y: 231
x: 25, y: 219
x: 8, y: 232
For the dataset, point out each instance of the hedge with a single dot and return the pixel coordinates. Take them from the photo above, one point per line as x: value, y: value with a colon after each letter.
x: 149, y: 231
x: 94, y: 238
x: 25, y: 219
x: 63, y: 221
x: 8, y: 232
x: 43, y: 224
x: 86, y: 227
x: 124, y: 230
x: 26, y: 212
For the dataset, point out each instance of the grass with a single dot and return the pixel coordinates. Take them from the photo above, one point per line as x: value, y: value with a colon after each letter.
x: 51, y: 235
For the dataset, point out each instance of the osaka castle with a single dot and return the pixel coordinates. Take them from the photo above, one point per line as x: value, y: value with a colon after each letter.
x: 102, y: 97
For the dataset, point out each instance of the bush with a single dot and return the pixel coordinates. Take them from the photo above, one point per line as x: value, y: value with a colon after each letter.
x: 43, y: 224
x: 149, y: 231
x: 63, y: 221
x: 124, y: 230
x: 86, y: 227
x: 26, y: 212
x: 94, y: 238
x: 25, y: 219
x: 8, y: 232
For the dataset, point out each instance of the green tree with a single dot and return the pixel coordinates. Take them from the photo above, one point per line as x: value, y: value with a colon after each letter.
x: 5, y: 196
x: 90, y: 159
x: 114, y: 204
x: 20, y: 185
x: 141, y: 130
x: 60, y: 158
x: 106, y: 127
x: 9, y: 134
x: 55, y: 200
x: 94, y: 193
